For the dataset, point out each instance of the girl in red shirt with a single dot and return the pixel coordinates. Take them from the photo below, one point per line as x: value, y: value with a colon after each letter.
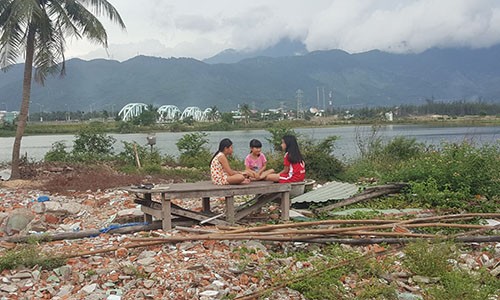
x: 294, y: 169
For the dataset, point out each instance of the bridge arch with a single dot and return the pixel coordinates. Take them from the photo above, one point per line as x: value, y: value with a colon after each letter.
x: 132, y: 110
x: 168, y: 113
x: 194, y: 112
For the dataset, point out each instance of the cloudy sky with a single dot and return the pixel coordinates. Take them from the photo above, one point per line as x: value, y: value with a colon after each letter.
x: 202, y: 28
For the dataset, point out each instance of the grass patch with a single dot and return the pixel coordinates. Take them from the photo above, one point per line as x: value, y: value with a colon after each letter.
x: 426, y: 259
x: 28, y: 256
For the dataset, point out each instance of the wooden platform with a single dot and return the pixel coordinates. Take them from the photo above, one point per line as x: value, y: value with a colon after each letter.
x: 264, y: 192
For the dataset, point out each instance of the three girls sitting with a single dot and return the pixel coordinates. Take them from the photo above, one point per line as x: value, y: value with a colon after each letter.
x: 255, y: 164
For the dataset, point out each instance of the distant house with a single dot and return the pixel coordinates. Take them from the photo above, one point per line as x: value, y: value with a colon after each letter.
x: 8, y: 116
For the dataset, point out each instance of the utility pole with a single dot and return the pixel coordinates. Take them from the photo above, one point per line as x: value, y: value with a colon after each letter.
x: 299, y: 95
x: 324, y: 101
x: 317, y: 96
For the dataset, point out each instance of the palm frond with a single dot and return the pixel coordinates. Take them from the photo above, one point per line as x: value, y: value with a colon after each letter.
x: 103, y: 7
x: 48, y: 49
x: 14, y: 18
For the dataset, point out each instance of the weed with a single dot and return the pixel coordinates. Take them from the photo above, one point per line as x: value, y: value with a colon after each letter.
x: 376, y: 290
x: 465, y: 286
x: 428, y: 259
x: 325, y: 286
x: 29, y: 256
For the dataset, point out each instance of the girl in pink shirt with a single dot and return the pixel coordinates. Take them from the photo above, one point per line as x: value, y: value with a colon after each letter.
x: 255, y: 162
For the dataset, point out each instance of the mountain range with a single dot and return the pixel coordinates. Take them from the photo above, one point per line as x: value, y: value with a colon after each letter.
x: 264, y: 81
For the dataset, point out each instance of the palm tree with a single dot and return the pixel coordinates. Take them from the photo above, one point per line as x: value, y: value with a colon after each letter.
x: 245, y: 111
x: 214, y: 113
x: 38, y: 29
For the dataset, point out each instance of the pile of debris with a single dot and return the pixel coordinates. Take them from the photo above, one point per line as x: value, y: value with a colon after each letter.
x: 195, y: 262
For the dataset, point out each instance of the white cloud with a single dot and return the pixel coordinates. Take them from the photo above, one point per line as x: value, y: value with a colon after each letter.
x: 201, y: 29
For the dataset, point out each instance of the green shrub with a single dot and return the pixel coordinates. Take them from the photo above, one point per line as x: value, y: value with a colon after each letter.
x: 193, y: 150
x: 402, y: 148
x: 147, y: 117
x: 431, y: 195
x: 147, y: 157
x: 277, y: 134
x: 379, y: 160
x: 458, y: 168
x: 57, y: 152
x: 92, y: 144
x: 125, y: 127
x: 321, y: 164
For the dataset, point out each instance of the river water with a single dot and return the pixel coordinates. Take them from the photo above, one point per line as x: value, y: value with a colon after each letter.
x: 345, y: 147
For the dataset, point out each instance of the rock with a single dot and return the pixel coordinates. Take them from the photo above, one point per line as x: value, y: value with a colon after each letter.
x: 71, y: 227
x: 3, y: 216
x: 70, y: 208
x: 18, y: 221
x: 21, y: 275
x: 36, y: 275
x: 8, y: 288
x: 131, y: 212
x: 53, y: 278
x: 209, y: 293
x: 146, y: 254
x: 255, y: 245
x: 409, y: 296
x: 148, y: 283
x: 53, y: 207
x: 146, y: 261
x: 37, y: 225
x: 65, y: 271
x: 424, y: 279
x: 89, y: 288
x: 64, y: 291
x: 495, y: 272
x: 38, y: 208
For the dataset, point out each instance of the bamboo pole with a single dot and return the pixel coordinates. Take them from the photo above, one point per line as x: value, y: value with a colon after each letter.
x: 305, y: 224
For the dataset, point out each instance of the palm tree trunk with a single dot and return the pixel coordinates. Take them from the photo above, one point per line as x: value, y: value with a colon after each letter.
x: 23, y: 113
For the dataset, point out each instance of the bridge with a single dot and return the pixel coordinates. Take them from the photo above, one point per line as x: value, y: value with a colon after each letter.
x: 167, y: 113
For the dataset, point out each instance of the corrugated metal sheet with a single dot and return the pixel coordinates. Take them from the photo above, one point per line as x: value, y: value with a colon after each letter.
x: 330, y: 191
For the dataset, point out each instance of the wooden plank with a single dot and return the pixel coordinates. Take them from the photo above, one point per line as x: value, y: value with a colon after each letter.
x: 166, y: 212
x: 205, y: 204
x: 207, y: 189
x: 152, y: 212
x: 148, y: 218
x: 261, y: 201
x: 230, y: 209
x: 195, y: 216
x: 285, y: 206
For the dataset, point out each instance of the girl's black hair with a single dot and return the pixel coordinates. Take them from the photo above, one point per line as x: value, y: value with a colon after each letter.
x: 255, y: 144
x: 294, y: 155
x: 223, y: 144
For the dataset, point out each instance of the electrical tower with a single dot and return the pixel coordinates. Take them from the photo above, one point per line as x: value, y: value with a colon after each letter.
x: 299, y: 95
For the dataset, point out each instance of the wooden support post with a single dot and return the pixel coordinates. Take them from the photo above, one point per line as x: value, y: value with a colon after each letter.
x: 230, y: 209
x: 285, y: 206
x: 166, y: 213
x: 205, y: 204
x: 147, y: 217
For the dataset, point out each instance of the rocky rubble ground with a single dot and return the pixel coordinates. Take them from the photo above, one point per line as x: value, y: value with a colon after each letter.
x: 187, y: 270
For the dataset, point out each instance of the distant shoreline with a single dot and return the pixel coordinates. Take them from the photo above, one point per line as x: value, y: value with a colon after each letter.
x: 50, y: 128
